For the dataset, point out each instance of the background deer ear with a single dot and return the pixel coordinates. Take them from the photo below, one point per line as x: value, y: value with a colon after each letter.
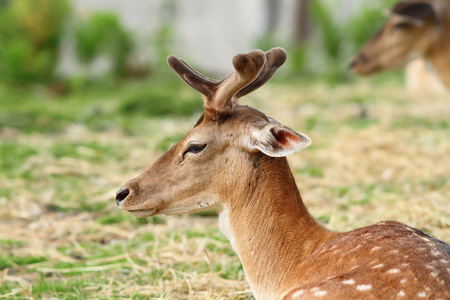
x: 417, y: 13
x: 277, y: 140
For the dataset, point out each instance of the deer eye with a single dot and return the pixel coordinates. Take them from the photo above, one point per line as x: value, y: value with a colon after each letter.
x: 195, y: 148
x: 402, y: 25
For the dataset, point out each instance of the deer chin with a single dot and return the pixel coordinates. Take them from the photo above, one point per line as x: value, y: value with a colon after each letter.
x: 366, y: 70
x: 143, y: 213
x: 174, y: 210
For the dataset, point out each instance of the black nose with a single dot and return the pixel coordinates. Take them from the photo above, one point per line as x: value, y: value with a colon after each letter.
x: 352, y: 64
x: 121, y: 195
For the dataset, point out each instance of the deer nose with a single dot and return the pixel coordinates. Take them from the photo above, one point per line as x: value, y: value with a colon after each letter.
x: 121, y: 195
x: 359, y: 60
x: 352, y: 64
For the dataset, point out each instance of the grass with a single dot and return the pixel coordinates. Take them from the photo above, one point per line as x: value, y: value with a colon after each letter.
x: 98, y: 110
x: 378, y: 153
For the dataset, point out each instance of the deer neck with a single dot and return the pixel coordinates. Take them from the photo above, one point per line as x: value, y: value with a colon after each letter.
x: 439, y: 56
x: 269, y: 226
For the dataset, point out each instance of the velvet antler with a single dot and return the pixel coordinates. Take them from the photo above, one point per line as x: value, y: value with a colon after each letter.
x: 251, y: 71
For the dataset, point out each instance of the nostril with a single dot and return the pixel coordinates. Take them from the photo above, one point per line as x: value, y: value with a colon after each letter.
x: 121, y: 195
x: 351, y: 64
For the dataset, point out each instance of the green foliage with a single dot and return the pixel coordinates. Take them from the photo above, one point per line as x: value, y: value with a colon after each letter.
x: 363, y: 25
x: 299, y: 57
x: 330, y: 35
x: 100, y: 110
x: 103, y: 34
x: 335, y: 39
x: 163, y: 38
x: 30, y: 32
x: 164, y: 99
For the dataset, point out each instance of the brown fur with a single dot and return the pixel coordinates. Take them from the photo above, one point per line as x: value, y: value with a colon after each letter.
x: 413, y: 28
x: 279, y: 230
x: 390, y: 256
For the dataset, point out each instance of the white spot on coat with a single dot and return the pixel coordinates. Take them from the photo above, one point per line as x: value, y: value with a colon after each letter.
x: 401, y: 293
x: 435, y: 253
x: 320, y: 293
x: 393, y: 271
x: 348, y: 281
x: 378, y: 266
x: 356, y: 248
x: 298, y: 293
x: 422, y: 295
x: 405, y: 264
x: 431, y: 244
x: 364, y: 287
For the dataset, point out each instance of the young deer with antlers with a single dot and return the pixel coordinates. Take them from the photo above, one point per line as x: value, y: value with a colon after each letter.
x: 413, y: 29
x: 235, y: 159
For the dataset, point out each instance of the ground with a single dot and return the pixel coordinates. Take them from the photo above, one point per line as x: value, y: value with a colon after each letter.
x: 378, y: 153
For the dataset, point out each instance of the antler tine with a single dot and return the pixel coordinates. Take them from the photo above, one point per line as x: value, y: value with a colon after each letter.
x: 198, y: 81
x: 219, y: 94
x: 246, y: 69
x: 197, y: 72
x: 275, y: 57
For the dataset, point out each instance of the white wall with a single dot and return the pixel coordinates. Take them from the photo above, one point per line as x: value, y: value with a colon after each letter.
x: 207, y: 33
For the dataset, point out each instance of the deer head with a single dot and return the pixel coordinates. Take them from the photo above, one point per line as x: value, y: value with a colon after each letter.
x: 208, y: 165
x: 411, y: 30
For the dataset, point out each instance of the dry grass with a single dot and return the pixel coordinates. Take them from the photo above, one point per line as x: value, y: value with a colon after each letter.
x: 377, y: 154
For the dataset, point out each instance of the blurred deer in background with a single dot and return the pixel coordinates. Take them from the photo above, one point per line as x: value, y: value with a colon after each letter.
x: 234, y: 159
x: 414, y: 29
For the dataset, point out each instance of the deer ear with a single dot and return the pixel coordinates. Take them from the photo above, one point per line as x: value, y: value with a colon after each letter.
x: 277, y: 140
x: 416, y: 13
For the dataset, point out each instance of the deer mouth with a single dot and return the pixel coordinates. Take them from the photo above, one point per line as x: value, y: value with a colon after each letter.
x: 365, y: 69
x: 363, y: 65
x: 142, y: 213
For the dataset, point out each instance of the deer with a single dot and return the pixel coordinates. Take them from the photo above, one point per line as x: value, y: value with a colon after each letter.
x: 235, y: 160
x: 416, y: 31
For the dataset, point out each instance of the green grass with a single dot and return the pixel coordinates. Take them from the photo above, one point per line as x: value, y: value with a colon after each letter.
x: 123, y: 106
x: 17, y: 261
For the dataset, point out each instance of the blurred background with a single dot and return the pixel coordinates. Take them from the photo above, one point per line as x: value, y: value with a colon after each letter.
x: 87, y: 101
x: 62, y: 49
x: 69, y: 45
